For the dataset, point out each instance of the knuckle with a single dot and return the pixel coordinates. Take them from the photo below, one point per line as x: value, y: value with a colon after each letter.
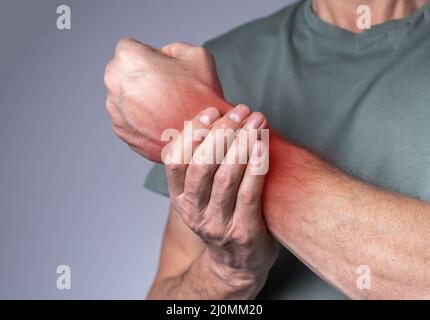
x: 124, y: 41
x: 123, y: 48
x: 247, y: 198
x: 110, y: 108
x: 108, y: 80
x: 119, y: 132
x: 124, y: 134
x: 211, y: 234
x: 109, y: 75
x: 224, y: 180
x: 198, y: 172
x: 129, y: 87
x: 192, y: 191
x: 175, y: 169
x: 123, y: 53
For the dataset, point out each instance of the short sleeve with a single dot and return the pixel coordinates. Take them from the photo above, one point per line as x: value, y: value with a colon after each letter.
x: 156, y: 180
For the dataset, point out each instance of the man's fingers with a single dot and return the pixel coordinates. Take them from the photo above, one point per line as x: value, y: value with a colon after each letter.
x: 210, y: 153
x: 248, y: 198
x: 112, y: 77
x: 180, y: 152
x: 212, y: 150
x: 132, y: 52
x: 229, y: 174
x: 115, y: 113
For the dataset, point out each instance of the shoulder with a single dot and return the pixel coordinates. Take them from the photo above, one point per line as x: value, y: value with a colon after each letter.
x: 248, y: 53
x: 258, y: 32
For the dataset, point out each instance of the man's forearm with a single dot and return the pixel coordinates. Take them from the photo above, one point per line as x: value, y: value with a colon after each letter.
x: 336, y: 223
x: 332, y: 221
x: 200, y: 281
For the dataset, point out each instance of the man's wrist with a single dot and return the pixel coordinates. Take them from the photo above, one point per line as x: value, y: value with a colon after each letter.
x: 234, y: 283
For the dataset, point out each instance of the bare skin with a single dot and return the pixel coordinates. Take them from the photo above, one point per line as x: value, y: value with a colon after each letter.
x: 233, y: 250
x: 343, y: 13
x: 330, y: 220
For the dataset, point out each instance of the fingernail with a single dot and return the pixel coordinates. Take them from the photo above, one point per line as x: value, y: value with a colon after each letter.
x: 239, y: 113
x: 255, y: 121
x: 209, y: 116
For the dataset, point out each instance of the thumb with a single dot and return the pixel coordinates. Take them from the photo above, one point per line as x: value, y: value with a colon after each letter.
x: 177, y: 49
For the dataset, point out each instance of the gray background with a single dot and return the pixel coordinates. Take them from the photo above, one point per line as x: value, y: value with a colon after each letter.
x: 71, y: 192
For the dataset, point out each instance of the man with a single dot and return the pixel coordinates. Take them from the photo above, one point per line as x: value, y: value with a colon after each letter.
x: 348, y: 184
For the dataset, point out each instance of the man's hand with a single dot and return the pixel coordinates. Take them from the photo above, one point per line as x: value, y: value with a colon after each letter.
x: 317, y: 211
x: 221, y: 203
x: 150, y: 89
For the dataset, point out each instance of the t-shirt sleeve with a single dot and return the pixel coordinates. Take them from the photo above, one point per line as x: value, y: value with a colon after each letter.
x: 156, y: 180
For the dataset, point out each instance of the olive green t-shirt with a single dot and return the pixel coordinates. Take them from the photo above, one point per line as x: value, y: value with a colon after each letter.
x: 360, y: 100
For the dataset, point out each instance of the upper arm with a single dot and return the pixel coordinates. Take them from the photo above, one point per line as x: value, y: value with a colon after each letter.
x: 180, y: 248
